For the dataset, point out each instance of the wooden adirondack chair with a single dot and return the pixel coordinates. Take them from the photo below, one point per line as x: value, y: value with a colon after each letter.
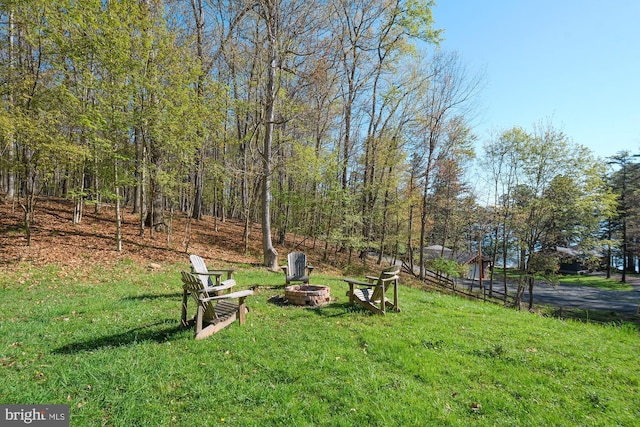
x: 214, y: 312
x: 297, y: 269
x: 373, y: 295
x: 198, y: 267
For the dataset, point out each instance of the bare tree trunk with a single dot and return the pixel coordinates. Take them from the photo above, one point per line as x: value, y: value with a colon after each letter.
x: 245, y: 199
x: 79, y: 199
x: 198, y: 13
x: 270, y: 254
x: 383, y: 232
x: 410, y: 247
x: 11, y: 177
x: 142, y: 185
x: 96, y: 183
x: 385, y: 215
x: 137, y: 197
x: 198, y: 185
x: 609, y: 226
x: 29, y: 193
x: 155, y: 215
x: 504, y: 266
x: 118, y: 216
x: 27, y: 207
x: 424, y: 209
x: 518, y: 296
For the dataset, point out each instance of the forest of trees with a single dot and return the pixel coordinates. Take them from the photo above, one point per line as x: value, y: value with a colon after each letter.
x: 339, y: 120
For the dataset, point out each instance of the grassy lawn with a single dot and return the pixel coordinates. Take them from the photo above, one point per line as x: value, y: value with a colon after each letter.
x: 108, y: 343
x: 595, y: 282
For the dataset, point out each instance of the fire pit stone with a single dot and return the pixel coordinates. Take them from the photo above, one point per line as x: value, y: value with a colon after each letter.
x: 307, y: 295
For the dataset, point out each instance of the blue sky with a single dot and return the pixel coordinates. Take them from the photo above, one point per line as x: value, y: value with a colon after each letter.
x: 574, y: 62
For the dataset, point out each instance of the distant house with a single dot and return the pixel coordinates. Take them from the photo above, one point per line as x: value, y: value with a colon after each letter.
x: 573, y: 260
x: 477, y: 270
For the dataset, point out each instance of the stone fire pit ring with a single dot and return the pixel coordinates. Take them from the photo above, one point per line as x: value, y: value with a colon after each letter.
x: 307, y: 295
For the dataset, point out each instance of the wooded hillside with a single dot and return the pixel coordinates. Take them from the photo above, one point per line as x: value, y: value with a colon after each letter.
x: 340, y: 121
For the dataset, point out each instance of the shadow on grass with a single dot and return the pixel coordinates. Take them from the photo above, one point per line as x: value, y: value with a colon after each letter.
x: 332, y: 309
x: 174, y: 296
x: 338, y: 309
x: 155, y: 332
x: 598, y: 317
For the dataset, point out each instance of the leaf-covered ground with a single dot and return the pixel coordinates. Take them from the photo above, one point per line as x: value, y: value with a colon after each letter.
x: 56, y: 240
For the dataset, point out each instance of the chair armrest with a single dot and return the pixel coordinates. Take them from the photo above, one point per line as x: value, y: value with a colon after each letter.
x: 389, y: 279
x: 222, y: 271
x: 228, y: 272
x: 219, y: 273
x: 310, y: 268
x: 227, y: 284
x: 356, y: 282
x: 233, y: 295
x: 285, y: 268
x: 209, y: 273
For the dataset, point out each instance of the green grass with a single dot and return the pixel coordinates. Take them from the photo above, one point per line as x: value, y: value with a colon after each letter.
x: 108, y: 343
x: 595, y: 282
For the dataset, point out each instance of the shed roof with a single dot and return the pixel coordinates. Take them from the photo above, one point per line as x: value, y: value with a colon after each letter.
x: 470, y: 258
x: 437, y: 248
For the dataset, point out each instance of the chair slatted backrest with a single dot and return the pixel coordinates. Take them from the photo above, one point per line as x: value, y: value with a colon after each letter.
x: 387, y: 276
x: 297, y: 264
x: 194, y: 286
x: 199, y: 266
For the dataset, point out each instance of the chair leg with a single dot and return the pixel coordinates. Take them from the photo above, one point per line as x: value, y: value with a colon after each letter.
x: 396, y: 307
x: 199, y: 319
x: 185, y: 297
x: 242, y: 310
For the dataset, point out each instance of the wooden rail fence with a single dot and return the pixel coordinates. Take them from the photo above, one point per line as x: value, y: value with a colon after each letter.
x: 442, y: 283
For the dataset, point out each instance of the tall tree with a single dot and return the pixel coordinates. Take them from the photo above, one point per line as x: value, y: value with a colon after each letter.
x: 285, y: 23
x: 272, y: 18
x: 449, y: 94
x: 32, y: 105
x: 625, y: 182
x: 501, y: 162
x: 559, y: 197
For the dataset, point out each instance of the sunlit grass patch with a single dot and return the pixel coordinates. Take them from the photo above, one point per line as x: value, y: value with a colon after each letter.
x: 595, y: 282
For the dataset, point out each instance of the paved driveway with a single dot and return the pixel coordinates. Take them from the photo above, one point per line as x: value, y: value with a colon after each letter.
x: 584, y: 297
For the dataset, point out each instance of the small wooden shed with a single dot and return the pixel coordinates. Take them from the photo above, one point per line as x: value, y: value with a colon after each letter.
x: 479, y: 265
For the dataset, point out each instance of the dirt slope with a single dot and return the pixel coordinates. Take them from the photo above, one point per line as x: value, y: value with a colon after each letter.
x: 56, y: 240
